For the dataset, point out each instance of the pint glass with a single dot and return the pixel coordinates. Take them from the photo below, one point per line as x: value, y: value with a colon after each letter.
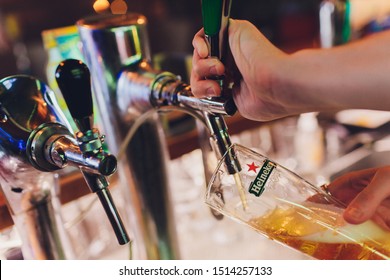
x: 284, y: 207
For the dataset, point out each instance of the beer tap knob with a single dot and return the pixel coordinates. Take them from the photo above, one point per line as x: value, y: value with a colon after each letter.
x: 74, y: 81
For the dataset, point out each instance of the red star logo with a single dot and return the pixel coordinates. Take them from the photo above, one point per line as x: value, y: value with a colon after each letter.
x: 252, y: 167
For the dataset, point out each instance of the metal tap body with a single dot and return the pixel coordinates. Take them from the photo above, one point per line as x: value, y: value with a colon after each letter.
x: 31, y: 195
x: 126, y: 87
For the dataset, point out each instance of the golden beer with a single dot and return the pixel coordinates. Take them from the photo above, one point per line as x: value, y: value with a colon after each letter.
x: 286, y: 208
x: 320, y: 231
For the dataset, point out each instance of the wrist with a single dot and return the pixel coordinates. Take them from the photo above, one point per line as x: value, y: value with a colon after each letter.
x: 305, y: 82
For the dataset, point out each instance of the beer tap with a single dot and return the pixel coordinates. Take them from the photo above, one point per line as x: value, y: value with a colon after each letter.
x: 216, y: 15
x: 73, y: 79
x: 210, y: 111
x: 51, y: 146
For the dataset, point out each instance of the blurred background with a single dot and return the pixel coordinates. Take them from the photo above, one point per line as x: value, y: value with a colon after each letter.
x: 172, y: 24
x: 317, y: 146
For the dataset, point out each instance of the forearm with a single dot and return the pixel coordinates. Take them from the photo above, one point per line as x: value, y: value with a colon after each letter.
x: 356, y: 75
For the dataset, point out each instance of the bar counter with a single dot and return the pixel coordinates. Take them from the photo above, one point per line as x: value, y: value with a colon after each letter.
x: 178, y: 145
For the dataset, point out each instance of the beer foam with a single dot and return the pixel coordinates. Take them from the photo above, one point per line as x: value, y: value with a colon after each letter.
x: 339, y: 231
x: 350, y: 233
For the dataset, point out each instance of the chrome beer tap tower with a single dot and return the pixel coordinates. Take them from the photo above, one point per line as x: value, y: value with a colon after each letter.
x: 35, y: 141
x: 126, y: 88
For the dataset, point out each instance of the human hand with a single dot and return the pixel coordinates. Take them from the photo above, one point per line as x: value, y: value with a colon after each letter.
x: 257, y: 61
x: 366, y: 194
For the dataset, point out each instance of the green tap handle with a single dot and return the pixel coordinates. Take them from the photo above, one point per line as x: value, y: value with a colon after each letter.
x: 216, y: 15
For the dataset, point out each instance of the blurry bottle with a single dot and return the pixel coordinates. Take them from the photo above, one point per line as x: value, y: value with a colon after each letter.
x: 14, y: 36
x: 309, y: 144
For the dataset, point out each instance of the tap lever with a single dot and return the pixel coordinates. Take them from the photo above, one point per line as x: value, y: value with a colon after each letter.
x: 74, y: 81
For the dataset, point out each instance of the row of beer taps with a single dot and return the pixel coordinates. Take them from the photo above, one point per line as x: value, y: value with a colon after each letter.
x: 37, y: 140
